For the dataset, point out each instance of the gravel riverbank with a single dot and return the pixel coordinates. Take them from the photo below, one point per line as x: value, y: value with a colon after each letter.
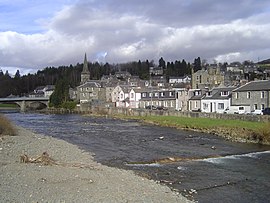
x: 75, y: 177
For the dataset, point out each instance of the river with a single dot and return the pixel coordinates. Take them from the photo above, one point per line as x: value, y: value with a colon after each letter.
x: 203, y: 167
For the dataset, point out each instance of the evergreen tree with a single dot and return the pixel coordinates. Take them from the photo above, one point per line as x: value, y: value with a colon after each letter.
x: 60, y: 94
x: 197, y: 64
x: 162, y: 63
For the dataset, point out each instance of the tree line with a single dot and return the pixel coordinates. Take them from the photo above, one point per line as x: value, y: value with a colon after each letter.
x: 23, y: 85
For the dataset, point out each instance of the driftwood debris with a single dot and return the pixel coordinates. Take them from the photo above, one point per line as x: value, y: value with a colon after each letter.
x: 45, y: 159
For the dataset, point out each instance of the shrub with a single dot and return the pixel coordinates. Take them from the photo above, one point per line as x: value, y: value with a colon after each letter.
x: 69, y: 105
x: 6, y: 127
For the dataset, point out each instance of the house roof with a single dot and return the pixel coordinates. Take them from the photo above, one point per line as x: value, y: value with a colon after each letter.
x: 254, y: 86
x: 90, y: 84
x: 216, y: 93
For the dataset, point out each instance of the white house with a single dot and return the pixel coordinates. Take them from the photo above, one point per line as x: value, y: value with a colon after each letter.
x: 184, y: 79
x: 217, y: 100
x: 135, y: 97
x: 120, y: 95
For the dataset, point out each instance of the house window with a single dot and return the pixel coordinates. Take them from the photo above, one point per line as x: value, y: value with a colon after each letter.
x: 162, y: 94
x: 224, y: 93
x: 221, y: 106
x: 121, y: 96
x: 197, y: 77
x: 236, y: 95
x: 262, y: 94
x: 166, y: 104
x: 262, y: 106
x: 248, y: 95
x: 156, y: 94
x: 143, y: 94
x: 132, y: 95
x: 195, y: 106
x: 255, y: 106
x: 150, y: 94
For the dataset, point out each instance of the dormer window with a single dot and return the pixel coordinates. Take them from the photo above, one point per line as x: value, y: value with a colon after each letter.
x: 224, y: 93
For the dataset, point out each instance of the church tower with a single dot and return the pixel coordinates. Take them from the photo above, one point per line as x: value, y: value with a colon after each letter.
x: 85, y: 75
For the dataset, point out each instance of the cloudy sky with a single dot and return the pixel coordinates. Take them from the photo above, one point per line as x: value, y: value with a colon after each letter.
x: 35, y: 34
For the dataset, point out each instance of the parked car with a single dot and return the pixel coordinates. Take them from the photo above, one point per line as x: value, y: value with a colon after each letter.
x: 151, y: 107
x: 257, y: 112
x: 266, y: 111
x: 162, y: 108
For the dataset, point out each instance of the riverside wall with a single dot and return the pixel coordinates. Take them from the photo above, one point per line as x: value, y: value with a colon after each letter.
x: 144, y: 112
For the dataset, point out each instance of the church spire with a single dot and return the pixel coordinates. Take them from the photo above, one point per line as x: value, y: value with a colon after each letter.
x: 85, y: 75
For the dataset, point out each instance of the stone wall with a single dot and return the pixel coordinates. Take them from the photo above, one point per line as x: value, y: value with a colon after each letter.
x: 144, y: 112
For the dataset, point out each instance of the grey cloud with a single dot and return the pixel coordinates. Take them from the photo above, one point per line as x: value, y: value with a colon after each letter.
x: 133, y: 30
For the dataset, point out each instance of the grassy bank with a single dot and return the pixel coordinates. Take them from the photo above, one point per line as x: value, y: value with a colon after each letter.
x: 235, y: 130
x: 6, y: 127
x: 8, y: 106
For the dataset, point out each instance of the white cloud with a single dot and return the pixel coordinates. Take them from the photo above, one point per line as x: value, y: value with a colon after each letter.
x: 128, y: 31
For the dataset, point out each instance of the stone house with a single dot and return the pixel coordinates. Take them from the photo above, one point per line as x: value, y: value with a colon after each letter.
x: 217, y: 100
x: 255, y: 94
x: 90, y: 92
x: 182, y: 99
x: 207, y: 78
x: 195, y: 99
x: 158, y: 81
x: 156, y: 70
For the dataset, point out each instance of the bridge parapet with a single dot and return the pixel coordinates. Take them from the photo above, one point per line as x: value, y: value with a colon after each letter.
x: 26, y: 102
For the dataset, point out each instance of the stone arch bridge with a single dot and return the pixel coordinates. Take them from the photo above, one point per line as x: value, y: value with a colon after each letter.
x: 27, y: 102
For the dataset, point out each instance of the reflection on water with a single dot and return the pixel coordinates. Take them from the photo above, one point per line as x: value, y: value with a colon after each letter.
x: 229, y: 172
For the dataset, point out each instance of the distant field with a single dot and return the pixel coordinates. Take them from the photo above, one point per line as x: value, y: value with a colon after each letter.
x: 8, y: 106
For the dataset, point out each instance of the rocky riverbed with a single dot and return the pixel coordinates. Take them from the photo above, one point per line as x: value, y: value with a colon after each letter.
x: 73, y: 176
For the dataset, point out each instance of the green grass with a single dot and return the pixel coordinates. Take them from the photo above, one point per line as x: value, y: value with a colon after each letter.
x: 231, y: 129
x: 202, y: 123
x: 8, y: 106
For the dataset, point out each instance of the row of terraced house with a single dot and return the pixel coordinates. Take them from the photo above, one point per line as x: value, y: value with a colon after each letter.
x: 203, y: 91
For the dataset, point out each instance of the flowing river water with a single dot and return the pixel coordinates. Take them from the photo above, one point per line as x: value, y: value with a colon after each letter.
x: 203, y: 167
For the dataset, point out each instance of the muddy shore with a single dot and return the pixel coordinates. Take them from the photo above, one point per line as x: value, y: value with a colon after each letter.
x: 74, y: 177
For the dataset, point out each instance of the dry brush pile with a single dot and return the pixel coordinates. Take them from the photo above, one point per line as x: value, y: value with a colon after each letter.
x: 6, y: 127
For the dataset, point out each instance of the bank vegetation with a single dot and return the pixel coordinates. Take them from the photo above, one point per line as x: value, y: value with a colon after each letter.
x: 6, y: 126
x: 234, y: 130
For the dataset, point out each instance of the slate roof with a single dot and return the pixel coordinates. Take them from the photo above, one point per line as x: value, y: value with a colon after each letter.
x: 90, y: 84
x: 254, y: 86
x: 216, y: 93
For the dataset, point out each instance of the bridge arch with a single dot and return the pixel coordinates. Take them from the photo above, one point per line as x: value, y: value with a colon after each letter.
x: 25, y: 103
